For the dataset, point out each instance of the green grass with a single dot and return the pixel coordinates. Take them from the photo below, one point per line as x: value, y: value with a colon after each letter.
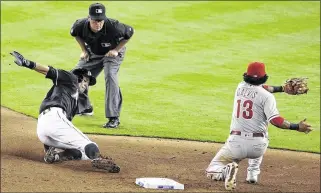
x: 182, y: 65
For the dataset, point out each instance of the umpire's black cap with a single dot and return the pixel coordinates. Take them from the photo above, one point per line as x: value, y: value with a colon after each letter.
x: 84, y: 72
x: 97, y: 11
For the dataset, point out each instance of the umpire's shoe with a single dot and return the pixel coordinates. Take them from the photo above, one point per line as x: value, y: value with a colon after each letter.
x: 51, y: 156
x: 112, y: 123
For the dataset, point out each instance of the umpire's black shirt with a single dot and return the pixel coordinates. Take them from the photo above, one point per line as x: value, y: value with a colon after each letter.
x: 106, y: 39
x: 64, y: 92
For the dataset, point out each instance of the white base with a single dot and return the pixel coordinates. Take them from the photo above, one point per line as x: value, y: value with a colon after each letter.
x: 159, y: 183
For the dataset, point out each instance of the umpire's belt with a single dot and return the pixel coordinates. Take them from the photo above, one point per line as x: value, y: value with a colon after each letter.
x: 247, y: 134
x: 48, y: 109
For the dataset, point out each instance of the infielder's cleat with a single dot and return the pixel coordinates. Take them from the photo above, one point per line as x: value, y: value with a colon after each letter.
x: 251, y: 179
x: 230, y: 178
x: 214, y: 176
x: 112, y: 123
x: 51, y: 156
x: 87, y: 112
x: 210, y: 175
x: 106, y: 164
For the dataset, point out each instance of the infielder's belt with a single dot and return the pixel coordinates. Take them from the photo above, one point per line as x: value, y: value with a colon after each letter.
x: 250, y: 134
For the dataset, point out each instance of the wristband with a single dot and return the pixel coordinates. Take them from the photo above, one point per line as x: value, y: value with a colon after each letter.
x: 30, y: 64
x: 294, y: 126
x: 277, y: 88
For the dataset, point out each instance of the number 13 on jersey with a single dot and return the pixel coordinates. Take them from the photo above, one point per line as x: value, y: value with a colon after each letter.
x: 244, y: 109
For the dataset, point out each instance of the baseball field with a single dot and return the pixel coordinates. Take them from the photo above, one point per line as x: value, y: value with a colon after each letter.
x: 178, y: 80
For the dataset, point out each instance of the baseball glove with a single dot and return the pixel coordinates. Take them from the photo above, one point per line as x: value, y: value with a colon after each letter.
x: 105, y: 163
x: 296, y: 86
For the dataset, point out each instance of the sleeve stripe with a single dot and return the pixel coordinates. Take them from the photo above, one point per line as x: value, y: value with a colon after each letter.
x: 273, y: 116
x: 57, y: 78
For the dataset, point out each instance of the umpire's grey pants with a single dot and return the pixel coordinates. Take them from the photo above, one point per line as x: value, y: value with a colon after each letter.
x: 113, y: 96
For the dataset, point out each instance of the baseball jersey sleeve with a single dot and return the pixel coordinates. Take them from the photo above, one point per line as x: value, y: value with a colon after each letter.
x: 270, y: 109
x: 124, y: 30
x: 60, y: 76
x: 76, y: 29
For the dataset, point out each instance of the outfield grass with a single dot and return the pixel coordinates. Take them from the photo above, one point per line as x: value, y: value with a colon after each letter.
x: 182, y: 65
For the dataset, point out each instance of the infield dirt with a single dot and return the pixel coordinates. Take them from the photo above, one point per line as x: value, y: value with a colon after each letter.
x: 23, y: 168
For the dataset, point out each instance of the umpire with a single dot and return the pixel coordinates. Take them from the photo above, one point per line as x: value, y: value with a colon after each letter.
x: 102, y: 41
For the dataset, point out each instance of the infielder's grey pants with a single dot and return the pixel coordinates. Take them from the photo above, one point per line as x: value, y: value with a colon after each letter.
x: 113, y: 97
x: 237, y: 148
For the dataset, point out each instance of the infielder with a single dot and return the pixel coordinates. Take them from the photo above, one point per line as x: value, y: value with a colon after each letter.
x: 254, y: 108
x: 54, y: 128
x: 102, y: 41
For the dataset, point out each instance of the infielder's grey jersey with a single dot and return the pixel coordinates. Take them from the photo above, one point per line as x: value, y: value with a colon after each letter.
x: 253, y: 108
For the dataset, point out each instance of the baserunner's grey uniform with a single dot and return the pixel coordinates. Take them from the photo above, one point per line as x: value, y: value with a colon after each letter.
x: 98, y: 44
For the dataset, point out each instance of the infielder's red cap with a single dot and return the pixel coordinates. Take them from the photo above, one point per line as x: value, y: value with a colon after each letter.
x: 256, y: 70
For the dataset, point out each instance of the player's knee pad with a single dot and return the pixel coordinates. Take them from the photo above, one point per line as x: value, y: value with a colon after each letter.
x: 92, y: 151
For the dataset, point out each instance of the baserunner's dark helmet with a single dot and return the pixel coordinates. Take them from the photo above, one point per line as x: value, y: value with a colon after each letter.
x: 84, y: 72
